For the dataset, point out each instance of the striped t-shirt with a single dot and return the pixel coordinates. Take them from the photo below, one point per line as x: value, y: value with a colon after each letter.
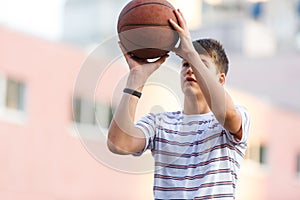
x: 195, y: 157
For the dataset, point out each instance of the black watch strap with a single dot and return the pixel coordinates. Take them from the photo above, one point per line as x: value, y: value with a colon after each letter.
x: 132, y: 92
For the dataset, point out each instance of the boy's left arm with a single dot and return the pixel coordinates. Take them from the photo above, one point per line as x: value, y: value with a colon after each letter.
x: 216, y: 96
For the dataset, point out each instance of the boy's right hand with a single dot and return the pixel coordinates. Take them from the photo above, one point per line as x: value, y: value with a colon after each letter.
x: 140, y: 69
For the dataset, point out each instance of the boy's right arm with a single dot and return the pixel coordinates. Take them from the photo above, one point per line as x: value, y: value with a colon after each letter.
x: 123, y: 137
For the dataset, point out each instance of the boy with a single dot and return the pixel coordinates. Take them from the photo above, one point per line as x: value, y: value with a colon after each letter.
x: 197, y: 151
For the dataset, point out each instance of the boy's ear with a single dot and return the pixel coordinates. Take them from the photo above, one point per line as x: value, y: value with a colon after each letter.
x: 222, y: 78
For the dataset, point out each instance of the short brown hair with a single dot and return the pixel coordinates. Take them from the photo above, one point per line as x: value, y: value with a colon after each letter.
x: 215, y: 50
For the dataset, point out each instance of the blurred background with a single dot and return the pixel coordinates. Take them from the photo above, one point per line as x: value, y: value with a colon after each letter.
x: 43, y: 46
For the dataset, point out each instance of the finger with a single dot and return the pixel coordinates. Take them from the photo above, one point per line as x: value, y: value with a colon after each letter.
x: 155, y: 65
x: 126, y: 54
x: 181, y: 14
x: 139, y: 60
x: 180, y: 18
x: 175, y: 25
x: 122, y: 47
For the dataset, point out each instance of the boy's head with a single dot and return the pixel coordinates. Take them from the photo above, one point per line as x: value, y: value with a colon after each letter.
x: 215, y: 50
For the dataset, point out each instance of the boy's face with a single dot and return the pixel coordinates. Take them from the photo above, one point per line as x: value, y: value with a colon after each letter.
x: 189, y: 84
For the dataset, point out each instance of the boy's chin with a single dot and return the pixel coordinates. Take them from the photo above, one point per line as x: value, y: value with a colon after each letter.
x: 190, y: 91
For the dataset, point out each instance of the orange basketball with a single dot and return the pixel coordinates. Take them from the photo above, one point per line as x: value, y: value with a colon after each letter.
x: 144, y: 29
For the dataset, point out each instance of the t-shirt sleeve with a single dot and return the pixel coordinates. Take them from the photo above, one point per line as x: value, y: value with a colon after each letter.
x: 148, y: 126
x: 245, y: 126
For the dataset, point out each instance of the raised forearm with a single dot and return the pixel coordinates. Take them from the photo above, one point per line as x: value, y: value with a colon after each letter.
x: 217, y: 98
x: 123, y: 136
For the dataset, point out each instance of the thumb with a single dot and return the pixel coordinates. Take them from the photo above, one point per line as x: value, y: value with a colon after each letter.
x: 162, y: 59
x: 152, y: 66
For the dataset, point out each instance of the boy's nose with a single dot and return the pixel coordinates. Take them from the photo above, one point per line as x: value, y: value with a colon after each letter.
x: 189, y: 70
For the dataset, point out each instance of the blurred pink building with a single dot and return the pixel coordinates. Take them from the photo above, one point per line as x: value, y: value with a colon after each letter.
x: 271, y: 170
x: 43, y: 158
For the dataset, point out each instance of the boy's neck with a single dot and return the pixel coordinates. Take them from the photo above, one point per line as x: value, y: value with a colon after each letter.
x: 194, y: 105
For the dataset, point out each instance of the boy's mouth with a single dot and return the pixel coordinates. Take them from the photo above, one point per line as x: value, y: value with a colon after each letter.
x: 190, y: 79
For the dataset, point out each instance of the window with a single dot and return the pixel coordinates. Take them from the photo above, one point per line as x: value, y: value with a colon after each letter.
x: 93, y: 113
x: 298, y: 165
x: 258, y: 153
x: 15, y: 95
x: 262, y: 155
x: 83, y: 110
x: 12, y: 100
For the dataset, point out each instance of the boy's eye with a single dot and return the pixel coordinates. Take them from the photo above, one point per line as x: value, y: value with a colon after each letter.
x: 185, y: 64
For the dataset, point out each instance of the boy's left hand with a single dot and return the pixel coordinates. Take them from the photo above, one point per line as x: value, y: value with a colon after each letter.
x: 186, y: 44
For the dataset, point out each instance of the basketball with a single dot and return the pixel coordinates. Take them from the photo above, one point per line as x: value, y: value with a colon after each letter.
x: 144, y: 29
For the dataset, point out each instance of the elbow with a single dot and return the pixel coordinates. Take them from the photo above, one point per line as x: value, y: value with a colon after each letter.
x: 122, y: 143
x: 115, y: 149
x: 112, y: 141
x: 111, y: 147
x: 115, y: 146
